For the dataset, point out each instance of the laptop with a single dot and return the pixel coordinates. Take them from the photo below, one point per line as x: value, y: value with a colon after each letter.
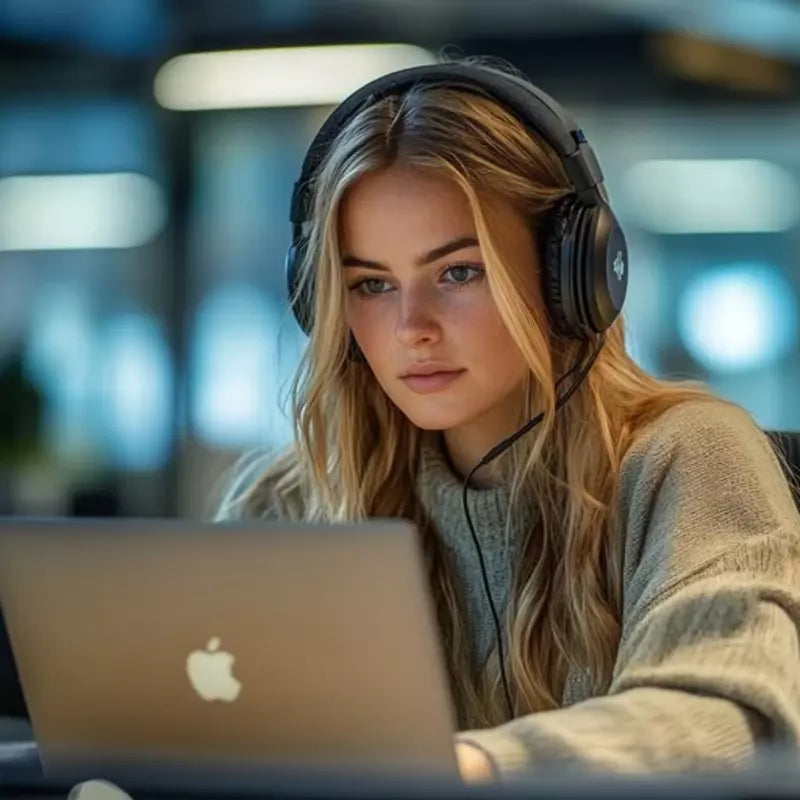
x: 155, y: 643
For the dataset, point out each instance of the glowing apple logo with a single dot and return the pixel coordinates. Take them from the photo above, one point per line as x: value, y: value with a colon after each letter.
x: 210, y: 673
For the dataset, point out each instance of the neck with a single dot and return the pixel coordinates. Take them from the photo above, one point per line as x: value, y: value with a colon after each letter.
x: 468, y: 444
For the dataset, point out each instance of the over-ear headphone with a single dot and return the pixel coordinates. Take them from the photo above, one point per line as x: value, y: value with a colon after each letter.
x: 584, y: 254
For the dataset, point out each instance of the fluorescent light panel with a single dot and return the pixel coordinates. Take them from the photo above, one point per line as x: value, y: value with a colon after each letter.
x: 284, y: 76
x: 711, y: 196
x: 68, y: 212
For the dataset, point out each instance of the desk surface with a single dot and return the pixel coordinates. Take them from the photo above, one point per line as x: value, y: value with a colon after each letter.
x: 778, y: 777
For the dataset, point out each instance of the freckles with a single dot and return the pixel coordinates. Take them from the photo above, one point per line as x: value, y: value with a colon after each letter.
x: 472, y: 310
x: 376, y: 312
x: 371, y: 320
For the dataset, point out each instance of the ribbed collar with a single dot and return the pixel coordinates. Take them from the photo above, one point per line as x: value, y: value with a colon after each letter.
x: 440, y: 490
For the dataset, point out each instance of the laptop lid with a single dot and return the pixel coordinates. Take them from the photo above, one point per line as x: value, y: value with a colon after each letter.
x: 146, y: 640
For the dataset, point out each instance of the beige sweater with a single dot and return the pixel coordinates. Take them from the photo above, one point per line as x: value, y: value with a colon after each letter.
x: 708, y: 666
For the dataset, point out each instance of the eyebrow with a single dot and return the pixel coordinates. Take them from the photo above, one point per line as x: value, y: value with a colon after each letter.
x: 460, y: 243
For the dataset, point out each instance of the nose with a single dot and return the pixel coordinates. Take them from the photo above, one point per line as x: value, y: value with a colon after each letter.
x: 417, y: 322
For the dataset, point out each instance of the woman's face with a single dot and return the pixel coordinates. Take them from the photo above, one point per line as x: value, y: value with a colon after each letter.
x: 419, y: 304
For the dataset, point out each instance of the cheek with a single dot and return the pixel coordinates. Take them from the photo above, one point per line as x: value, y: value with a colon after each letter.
x: 490, y: 350
x: 371, y: 327
x: 480, y: 323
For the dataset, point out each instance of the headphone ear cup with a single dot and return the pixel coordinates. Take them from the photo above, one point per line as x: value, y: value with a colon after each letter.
x: 582, y: 278
x: 584, y: 268
x: 302, y: 302
x: 354, y: 352
x: 601, y: 269
x: 556, y: 253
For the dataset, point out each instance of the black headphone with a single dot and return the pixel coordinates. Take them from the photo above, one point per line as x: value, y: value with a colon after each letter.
x: 584, y: 254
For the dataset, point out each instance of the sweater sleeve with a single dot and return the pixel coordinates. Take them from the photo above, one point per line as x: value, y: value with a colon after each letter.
x: 708, y: 667
x: 234, y: 505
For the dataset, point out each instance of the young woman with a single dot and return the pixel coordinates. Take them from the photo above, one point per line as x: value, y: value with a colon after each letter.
x: 624, y: 591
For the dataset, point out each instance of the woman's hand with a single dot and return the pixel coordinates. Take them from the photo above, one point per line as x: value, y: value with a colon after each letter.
x: 473, y: 764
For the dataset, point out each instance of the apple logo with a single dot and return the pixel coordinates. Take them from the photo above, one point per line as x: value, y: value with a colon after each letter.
x: 210, y: 673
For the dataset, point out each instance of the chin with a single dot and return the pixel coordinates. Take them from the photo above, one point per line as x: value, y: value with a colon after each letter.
x: 435, y: 419
x: 435, y: 412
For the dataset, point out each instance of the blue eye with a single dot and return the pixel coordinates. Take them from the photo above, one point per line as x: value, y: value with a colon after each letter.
x: 370, y: 287
x: 456, y: 275
x: 463, y: 274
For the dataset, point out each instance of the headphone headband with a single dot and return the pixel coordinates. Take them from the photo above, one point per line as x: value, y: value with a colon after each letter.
x: 543, y: 116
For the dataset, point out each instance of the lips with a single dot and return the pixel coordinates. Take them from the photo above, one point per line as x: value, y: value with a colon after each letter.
x: 432, y: 381
x: 428, y: 368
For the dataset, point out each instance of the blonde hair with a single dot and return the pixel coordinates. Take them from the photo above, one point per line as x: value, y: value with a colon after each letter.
x: 355, y: 455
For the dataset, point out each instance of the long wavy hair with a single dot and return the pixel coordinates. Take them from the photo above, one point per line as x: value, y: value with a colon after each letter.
x: 355, y: 455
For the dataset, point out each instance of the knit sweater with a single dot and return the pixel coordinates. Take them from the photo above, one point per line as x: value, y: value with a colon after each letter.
x: 708, y: 666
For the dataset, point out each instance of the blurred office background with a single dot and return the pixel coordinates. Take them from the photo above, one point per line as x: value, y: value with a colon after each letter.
x: 144, y: 335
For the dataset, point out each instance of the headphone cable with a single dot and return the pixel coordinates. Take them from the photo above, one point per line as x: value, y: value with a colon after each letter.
x: 582, y: 371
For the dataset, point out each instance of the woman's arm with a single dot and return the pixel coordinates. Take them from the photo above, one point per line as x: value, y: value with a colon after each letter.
x: 709, y: 664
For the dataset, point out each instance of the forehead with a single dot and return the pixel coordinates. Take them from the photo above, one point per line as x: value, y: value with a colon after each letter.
x: 406, y: 201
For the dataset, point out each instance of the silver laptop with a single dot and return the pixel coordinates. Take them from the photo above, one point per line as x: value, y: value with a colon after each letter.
x: 293, y: 646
